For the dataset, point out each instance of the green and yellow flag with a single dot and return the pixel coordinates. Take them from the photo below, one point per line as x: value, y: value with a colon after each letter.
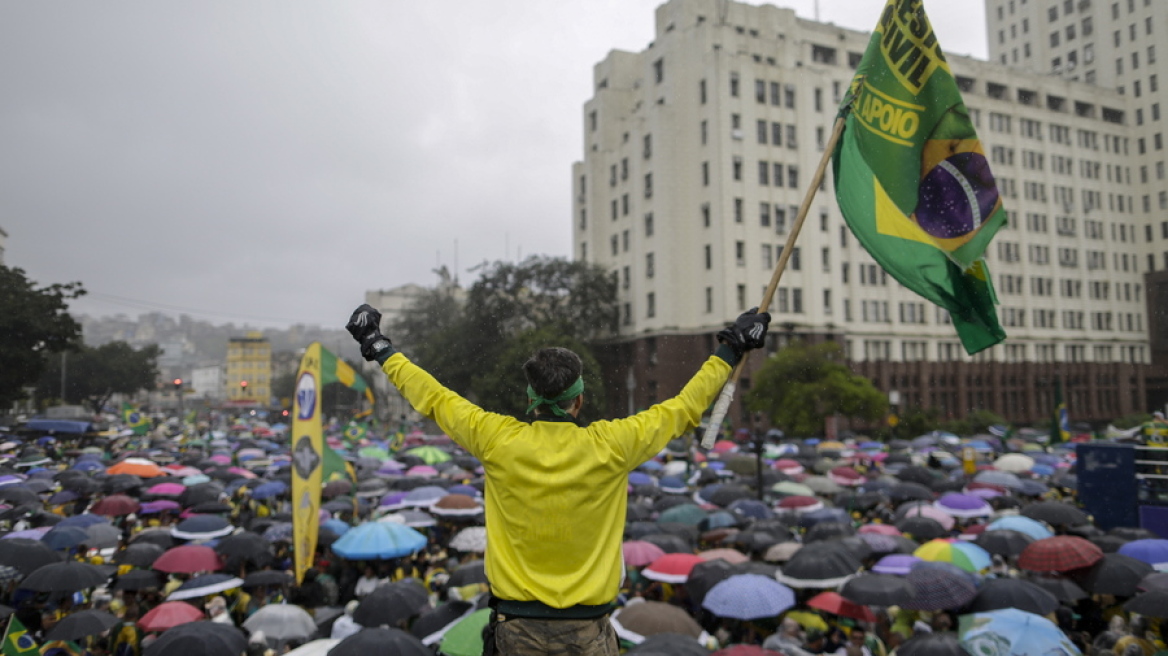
x: 1060, y: 423
x: 355, y: 431
x: 336, y: 370
x: 912, y: 178
x: 17, y: 641
x: 307, y: 459
x: 135, y: 420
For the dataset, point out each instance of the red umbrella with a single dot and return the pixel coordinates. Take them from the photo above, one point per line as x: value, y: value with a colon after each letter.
x: 639, y: 553
x: 188, y: 559
x: 672, y: 567
x: 115, y: 505
x: 833, y: 603
x: 169, y: 614
x: 1060, y: 553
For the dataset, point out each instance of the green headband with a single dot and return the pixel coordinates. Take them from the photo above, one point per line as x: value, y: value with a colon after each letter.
x: 576, y: 389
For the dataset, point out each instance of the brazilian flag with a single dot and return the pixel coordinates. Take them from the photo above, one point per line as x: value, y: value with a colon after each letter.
x: 17, y: 641
x: 912, y: 179
x: 135, y: 420
x: 355, y: 432
x: 1060, y: 424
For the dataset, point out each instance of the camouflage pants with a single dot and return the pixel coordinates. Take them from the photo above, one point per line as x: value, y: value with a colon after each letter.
x: 522, y: 636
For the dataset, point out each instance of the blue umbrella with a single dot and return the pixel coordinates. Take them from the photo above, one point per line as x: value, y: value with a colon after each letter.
x: 748, y: 597
x: 281, y: 532
x: 425, y: 496
x: 1152, y: 552
x: 83, y: 521
x: 88, y: 465
x: 751, y: 508
x: 202, y: 527
x: 269, y: 490
x: 1031, y: 527
x: 62, y: 497
x: 379, y: 541
x: 336, y: 526
x: 1011, y: 631
x: 641, y: 478
x: 65, y: 537
x: 814, y: 517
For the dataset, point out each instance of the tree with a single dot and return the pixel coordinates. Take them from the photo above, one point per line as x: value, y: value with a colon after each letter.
x: 34, y: 322
x: 93, y: 375
x: 801, y: 385
x: 511, y: 308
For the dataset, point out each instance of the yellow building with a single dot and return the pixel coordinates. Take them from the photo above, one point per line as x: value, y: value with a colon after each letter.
x: 249, y: 370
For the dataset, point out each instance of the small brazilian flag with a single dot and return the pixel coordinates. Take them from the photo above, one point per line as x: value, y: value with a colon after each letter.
x: 17, y: 641
x: 912, y: 179
x: 355, y: 432
x: 135, y: 420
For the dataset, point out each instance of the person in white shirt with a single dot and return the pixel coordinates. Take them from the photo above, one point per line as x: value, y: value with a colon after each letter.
x: 367, y: 583
x: 345, y: 626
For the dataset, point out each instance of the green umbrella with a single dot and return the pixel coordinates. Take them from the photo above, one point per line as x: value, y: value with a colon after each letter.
x: 431, y: 455
x: 374, y: 452
x: 684, y: 514
x: 792, y: 489
x: 466, y: 637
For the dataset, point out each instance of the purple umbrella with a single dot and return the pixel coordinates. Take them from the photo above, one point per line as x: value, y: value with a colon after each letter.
x: 939, y: 586
x: 395, y: 501
x: 900, y: 564
x: 162, y: 505
x: 963, y: 505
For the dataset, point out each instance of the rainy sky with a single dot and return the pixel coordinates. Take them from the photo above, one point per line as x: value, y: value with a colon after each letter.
x: 268, y: 162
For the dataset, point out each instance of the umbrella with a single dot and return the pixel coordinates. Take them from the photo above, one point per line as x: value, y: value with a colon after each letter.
x: 939, y: 586
x: 379, y: 541
x: 1155, y: 581
x: 315, y: 648
x: 922, y: 528
x: 963, y: 505
x: 818, y: 568
x: 168, y: 615
x: 381, y: 642
x: 64, y: 537
x: 138, y: 579
x: 638, y: 553
x: 1013, y: 593
x: 1151, y: 551
x: 1055, y: 513
x: 245, y: 546
x: 672, y: 567
x: 188, y: 559
x: 27, y: 555
x: 1031, y: 527
x: 199, y: 639
x: 391, y: 603
x: 932, y: 644
x: 878, y: 590
x: 669, y: 644
x: 431, y: 455
x: 140, y: 467
x: 202, y: 527
x: 470, y: 539
x: 102, y: 536
x: 966, y: 555
x: 1059, y: 554
x: 267, y: 577
x: 1150, y: 604
x: 69, y: 576
x: 281, y: 622
x: 139, y: 555
x: 639, y: 621
x: 836, y: 604
x: 158, y: 536
x: 683, y: 514
x: 732, y: 556
x: 1063, y: 589
x: 1015, y: 463
x: 1013, y: 631
x: 115, y: 505
x: 1003, y: 542
x: 204, y: 585
x: 781, y: 552
x: 80, y: 624
x: 748, y: 597
x: 465, y: 638
x: 1114, y: 574
x: 430, y: 626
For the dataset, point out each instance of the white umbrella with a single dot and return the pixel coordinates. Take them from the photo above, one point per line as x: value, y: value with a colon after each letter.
x: 314, y: 648
x: 473, y: 538
x: 281, y: 622
x: 1014, y: 463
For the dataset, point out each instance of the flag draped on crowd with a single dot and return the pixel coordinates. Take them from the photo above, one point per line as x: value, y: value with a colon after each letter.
x: 17, y: 641
x: 912, y: 179
x: 135, y: 420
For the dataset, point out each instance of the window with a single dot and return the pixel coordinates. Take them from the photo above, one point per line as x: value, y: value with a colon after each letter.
x: 649, y: 265
x: 738, y: 210
x: 702, y: 91
x: 734, y: 85
x: 648, y: 185
x: 764, y: 171
x: 649, y: 224
x: 709, y: 256
x: 740, y: 253
x: 761, y: 129
x: 705, y: 175
x: 647, y: 146
x: 764, y: 214
x: 794, y: 261
x: 760, y: 90
x: 650, y: 305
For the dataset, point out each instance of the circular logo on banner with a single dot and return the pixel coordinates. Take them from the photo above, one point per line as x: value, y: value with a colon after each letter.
x: 305, y: 458
x: 306, y: 396
x: 956, y: 196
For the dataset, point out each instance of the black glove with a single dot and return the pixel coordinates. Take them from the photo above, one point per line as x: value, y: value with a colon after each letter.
x: 365, y: 327
x: 747, y: 332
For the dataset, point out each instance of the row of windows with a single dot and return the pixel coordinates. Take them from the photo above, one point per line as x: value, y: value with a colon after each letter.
x: 1098, y: 290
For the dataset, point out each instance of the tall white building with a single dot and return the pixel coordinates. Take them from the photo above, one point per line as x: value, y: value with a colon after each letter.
x: 699, y: 149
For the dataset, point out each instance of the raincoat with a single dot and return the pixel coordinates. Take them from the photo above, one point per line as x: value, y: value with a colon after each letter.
x: 557, y: 491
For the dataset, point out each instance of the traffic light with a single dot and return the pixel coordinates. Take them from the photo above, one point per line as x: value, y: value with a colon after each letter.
x: 178, y: 383
x: 243, y: 386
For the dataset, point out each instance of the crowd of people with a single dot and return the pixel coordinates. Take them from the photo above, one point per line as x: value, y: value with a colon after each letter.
x: 855, y: 547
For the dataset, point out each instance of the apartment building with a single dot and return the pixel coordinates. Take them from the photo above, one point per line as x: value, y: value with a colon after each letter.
x: 698, y: 152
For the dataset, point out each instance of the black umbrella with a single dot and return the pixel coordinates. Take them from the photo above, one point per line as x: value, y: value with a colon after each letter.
x: 996, y: 594
x: 120, y: 483
x: 156, y: 536
x: 64, y: 577
x: 1063, y: 589
x: 202, y: 638
x: 468, y: 574
x: 267, y: 577
x: 932, y: 644
x: 378, y: 642
x: 922, y: 529
x: 211, y: 508
x: 1133, y: 533
x: 667, y: 502
x: 818, y: 568
x: 15, y: 495
x: 670, y: 543
x: 638, y: 513
x: 246, y: 547
x: 1150, y: 604
x: 391, y: 603
x: 81, y: 485
x: 440, y: 618
x: 1003, y: 542
x: 27, y: 555
x: 669, y: 644
x: 138, y: 579
x: 728, y: 494
x: 1116, y: 574
x: 829, y: 531
x: 909, y: 491
x: 200, y: 493
x: 878, y: 590
x: 1108, y: 543
x: 917, y: 474
x: 81, y: 624
x: 1055, y: 513
x: 706, y: 575
x: 139, y: 554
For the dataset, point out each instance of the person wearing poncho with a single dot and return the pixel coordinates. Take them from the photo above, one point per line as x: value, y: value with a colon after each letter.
x: 557, y: 489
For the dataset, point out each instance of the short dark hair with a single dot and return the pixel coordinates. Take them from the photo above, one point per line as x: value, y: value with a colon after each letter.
x: 552, y: 370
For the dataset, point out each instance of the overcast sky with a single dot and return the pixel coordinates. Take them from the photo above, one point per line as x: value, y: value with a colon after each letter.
x: 269, y: 162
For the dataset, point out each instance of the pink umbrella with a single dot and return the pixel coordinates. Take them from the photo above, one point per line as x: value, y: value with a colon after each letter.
x: 801, y: 504
x: 943, y: 518
x: 846, y: 476
x: 639, y: 553
x: 880, y: 529
x: 182, y: 470
x: 672, y: 567
x: 167, y: 490
x: 188, y: 559
x: 422, y: 470
x: 220, y: 459
x: 242, y: 472
x: 732, y: 556
x: 788, y: 466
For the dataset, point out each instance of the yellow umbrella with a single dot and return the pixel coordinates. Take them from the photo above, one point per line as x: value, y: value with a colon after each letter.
x: 808, y: 620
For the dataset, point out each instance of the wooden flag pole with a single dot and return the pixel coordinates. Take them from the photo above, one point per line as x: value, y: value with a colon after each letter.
x: 722, y: 406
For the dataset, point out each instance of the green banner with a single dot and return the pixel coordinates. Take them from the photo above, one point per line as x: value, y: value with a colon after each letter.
x: 912, y: 178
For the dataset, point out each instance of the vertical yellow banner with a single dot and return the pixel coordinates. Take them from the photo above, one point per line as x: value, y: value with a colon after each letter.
x: 307, y: 460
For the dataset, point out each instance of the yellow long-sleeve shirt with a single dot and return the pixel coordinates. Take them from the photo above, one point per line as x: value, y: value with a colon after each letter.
x: 556, y: 492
